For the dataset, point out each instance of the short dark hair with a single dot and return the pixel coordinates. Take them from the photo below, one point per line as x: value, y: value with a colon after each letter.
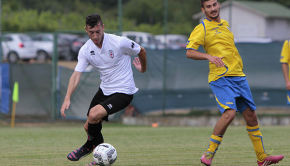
x: 93, y: 20
x: 201, y: 2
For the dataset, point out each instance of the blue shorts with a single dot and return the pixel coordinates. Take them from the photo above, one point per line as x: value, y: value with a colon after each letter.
x: 233, y: 93
x: 288, y: 97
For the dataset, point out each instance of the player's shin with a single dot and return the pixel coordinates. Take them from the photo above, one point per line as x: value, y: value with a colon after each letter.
x: 95, y: 136
x: 257, y: 140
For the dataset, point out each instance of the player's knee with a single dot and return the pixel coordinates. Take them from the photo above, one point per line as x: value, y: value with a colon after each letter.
x: 86, y: 127
x: 250, y: 117
x: 96, y: 115
x: 229, y: 115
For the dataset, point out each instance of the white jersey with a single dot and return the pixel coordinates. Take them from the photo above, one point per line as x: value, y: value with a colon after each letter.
x: 113, y: 61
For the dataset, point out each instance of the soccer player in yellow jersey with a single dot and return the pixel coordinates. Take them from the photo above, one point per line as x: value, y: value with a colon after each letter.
x: 227, y: 81
x: 285, y: 61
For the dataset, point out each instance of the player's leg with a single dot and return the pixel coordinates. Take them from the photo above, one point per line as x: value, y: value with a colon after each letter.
x: 217, y: 136
x: 257, y: 139
x: 225, y: 120
x: 95, y: 137
x: 91, y: 142
x: 112, y: 104
x: 225, y: 99
x: 89, y: 137
x: 246, y: 104
x: 254, y: 133
x: 94, y: 123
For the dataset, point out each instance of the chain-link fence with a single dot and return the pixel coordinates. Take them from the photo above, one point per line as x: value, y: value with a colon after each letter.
x: 171, y: 82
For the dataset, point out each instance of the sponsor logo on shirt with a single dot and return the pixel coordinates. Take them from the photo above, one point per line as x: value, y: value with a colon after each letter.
x: 216, y: 28
x: 133, y: 44
x: 111, y: 53
x: 92, y: 52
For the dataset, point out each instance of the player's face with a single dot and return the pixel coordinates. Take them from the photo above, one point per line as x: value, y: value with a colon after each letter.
x: 211, y: 9
x: 96, y: 33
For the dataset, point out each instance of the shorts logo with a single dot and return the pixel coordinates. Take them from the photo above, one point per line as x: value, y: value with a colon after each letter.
x: 111, y: 53
x: 110, y: 106
x: 229, y: 103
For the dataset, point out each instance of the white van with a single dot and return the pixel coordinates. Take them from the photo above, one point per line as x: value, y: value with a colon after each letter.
x: 145, y: 39
x: 172, y: 41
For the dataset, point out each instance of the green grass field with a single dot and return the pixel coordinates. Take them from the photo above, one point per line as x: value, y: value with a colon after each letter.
x: 48, y: 145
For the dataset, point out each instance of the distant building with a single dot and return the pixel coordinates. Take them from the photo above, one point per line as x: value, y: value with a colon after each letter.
x: 255, y: 21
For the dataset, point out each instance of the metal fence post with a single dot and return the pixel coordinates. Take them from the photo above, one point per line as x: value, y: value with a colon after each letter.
x: 54, y: 75
x: 165, y: 4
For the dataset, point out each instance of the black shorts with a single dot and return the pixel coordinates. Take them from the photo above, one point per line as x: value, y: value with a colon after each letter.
x: 112, y: 103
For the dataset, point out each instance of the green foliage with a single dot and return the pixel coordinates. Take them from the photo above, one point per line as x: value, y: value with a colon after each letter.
x: 145, y: 11
x: 138, y: 15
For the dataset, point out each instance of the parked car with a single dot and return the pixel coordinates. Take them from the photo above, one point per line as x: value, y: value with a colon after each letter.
x: 64, y: 46
x: 172, y: 41
x: 17, y: 47
x: 145, y: 39
x: 77, y: 44
x: 45, y: 45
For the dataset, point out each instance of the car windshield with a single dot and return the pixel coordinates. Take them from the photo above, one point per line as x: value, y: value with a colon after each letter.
x: 47, y: 38
x: 24, y: 38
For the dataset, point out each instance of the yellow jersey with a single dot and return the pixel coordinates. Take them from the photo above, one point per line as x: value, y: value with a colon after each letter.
x: 217, y: 40
x: 285, y: 54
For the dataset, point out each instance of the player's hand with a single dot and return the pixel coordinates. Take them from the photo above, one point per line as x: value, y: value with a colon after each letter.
x: 64, y: 107
x: 137, y: 64
x: 288, y: 85
x: 217, y: 61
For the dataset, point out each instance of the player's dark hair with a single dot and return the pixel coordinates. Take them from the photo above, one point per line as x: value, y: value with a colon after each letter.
x: 93, y: 20
x: 202, y: 1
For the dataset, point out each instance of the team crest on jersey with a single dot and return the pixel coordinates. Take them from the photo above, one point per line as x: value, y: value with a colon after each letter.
x: 92, y: 52
x: 111, y: 53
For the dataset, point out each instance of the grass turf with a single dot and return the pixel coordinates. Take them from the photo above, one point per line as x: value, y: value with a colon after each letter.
x: 136, y: 145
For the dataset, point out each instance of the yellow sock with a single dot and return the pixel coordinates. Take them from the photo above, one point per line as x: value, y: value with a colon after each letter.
x: 215, y: 141
x: 257, y: 140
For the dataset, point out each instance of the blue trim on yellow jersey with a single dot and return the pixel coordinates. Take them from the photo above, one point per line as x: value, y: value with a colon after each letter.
x: 225, y: 71
x: 191, y: 49
x: 207, y: 19
x: 204, y: 29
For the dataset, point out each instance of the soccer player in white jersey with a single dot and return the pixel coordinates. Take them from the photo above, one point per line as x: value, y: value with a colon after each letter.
x: 111, y: 56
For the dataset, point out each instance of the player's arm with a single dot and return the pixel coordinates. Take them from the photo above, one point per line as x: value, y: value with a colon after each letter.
x: 140, y: 62
x: 196, y: 55
x: 284, y: 62
x: 132, y: 48
x: 285, y: 70
x: 73, y: 83
x: 197, y: 38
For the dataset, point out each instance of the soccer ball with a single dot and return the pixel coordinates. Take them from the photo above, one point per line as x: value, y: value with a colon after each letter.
x: 105, y: 154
